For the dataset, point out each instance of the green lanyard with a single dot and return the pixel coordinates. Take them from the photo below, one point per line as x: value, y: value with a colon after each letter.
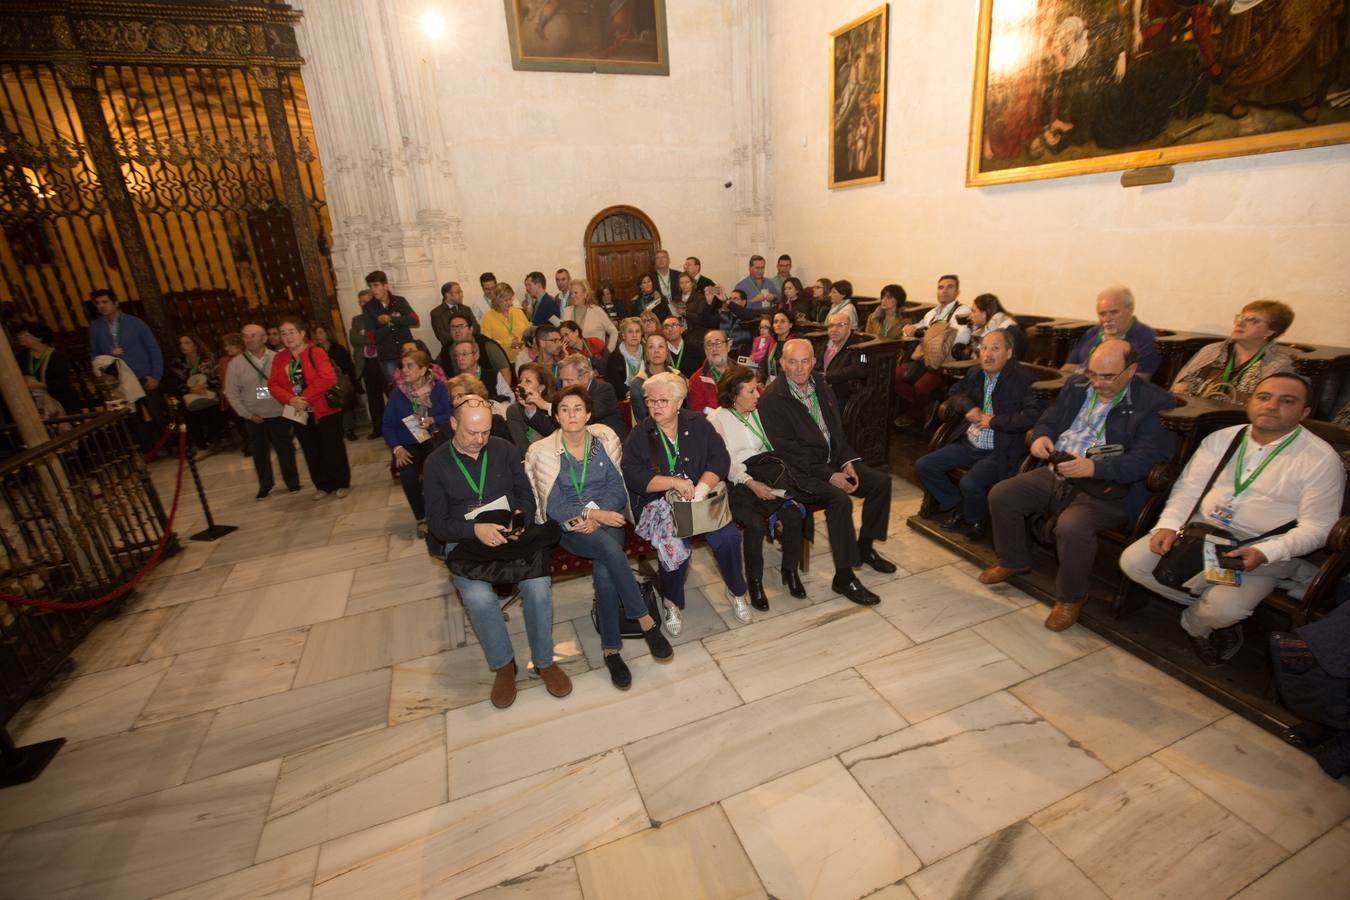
x: 115, y: 329
x: 510, y: 328
x: 716, y: 375
x: 1092, y: 405
x: 672, y: 448
x: 482, y: 472
x: 35, y: 363
x: 262, y: 376
x: 811, y: 401
x: 293, y: 368
x: 1232, y: 356
x: 530, y: 434
x: 757, y: 429
x: 773, y: 359
x: 989, y: 384
x: 585, y: 464
x: 1240, y: 485
x: 679, y: 356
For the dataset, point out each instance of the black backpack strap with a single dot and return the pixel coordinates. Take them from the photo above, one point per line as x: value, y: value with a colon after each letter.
x: 1214, y: 476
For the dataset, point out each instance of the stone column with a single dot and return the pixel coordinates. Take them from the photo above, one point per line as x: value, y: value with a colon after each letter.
x: 750, y: 106
x: 391, y: 187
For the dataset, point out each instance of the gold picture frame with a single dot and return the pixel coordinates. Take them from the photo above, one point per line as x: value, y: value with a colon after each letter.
x: 563, y: 36
x: 858, y: 52
x: 1097, y: 86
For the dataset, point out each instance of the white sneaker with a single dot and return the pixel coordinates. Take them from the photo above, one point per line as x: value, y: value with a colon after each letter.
x: 674, y: 624
x: 341, y: 492
x: 319, y: 495
x: 740, y: 605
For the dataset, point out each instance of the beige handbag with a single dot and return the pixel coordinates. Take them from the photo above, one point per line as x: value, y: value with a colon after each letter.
x: 693, y: 517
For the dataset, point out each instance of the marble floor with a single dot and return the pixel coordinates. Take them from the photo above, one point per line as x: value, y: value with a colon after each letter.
x: 299, y: 710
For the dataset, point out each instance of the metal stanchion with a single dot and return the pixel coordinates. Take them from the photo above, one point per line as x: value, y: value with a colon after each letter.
x: 212, y: 531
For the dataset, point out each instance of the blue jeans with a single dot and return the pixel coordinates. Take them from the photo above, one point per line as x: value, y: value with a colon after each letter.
x: 973, y: 491
x: 612, y: 577
x: 485, y: 612
x: 726, y: 546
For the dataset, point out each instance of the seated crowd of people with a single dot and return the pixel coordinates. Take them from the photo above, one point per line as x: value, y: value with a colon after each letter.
x: 690, y: 410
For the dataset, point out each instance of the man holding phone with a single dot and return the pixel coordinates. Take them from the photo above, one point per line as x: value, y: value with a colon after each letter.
x: 473, y: 474
x: 1104, y: 426
x: 802, y: 422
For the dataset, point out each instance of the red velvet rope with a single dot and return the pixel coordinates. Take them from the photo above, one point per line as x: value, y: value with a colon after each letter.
x: 159, y: 444
x: 135, y: 579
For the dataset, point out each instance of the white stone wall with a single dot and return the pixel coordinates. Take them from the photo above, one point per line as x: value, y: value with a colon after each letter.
x: 1224, y: 232
x: 441, y: 161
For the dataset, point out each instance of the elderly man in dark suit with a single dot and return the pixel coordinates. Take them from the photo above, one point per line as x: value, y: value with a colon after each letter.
x: 577, y: 369
x: 802, y: 422
x: 842, y: 364
x: 996, y: 409
x: 1104, y: 430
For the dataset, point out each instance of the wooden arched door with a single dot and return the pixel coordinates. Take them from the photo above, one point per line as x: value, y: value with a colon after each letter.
x: 621, y: 244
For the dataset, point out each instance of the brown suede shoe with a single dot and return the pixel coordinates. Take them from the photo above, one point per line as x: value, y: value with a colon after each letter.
x: 997, y: 574
x: 504, y: 688
x: 556, y: 681
x: 1063, y: 615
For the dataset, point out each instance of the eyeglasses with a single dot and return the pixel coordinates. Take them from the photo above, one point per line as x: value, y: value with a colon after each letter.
x: 1240, y: 319
x: 1098, y: 376
x: 658, y: 401
x: 715, y: 343
x: 471, y: 401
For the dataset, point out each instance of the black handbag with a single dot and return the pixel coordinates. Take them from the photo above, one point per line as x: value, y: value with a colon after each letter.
x: 776, y: 472
x: 530, y: 555
x: 341, y: 395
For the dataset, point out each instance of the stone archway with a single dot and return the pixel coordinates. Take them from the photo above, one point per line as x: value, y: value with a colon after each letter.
x: 621, y: 243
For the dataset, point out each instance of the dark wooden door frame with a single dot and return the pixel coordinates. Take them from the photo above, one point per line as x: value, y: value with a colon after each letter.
x: 594, y: 250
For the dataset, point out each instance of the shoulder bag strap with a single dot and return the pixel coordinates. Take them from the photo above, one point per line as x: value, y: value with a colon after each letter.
x: 1214, y: 476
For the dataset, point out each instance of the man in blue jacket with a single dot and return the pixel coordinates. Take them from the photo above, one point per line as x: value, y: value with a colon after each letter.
x: 996, y: 409
x: 1115, y: 319
x: 389, y: 322
x: 1106, y: 424
x: 122, y: 335
x: 546, y: 307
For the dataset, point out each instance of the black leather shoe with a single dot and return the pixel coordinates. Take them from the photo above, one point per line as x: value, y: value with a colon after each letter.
x: 793, y: 582
x: 618, y: 671
x: 853, y: 589
x: 877, y: 561
x: 1205, y: 651
x: 977, y: 532
x: 657, y: 643
x: 953, y: 522
x: 757, y: 598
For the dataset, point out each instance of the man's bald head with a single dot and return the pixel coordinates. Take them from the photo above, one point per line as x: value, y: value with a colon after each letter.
x: 798, y: 359
x: 472, y: 424
x: 1111, y: 366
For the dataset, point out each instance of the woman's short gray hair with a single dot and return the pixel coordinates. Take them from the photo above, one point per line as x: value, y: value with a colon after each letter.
x: 674, y: 382
x: 576, y: 361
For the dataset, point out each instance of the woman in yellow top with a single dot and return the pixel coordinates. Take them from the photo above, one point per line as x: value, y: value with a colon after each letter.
x: 504, y: 323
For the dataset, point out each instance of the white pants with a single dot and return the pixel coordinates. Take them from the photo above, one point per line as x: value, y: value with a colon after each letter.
x: 1218, y: 605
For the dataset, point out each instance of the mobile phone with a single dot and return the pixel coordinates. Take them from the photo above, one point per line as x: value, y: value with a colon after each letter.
x: 1059, y: 456
x: 1230, y: 562
x: 1105, y: 450
x: 520, y: 393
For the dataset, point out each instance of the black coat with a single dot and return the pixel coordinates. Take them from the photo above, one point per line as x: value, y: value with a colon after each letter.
x: 847, y: 366
x: 1015, y: 412
x: 794, y: 434
x: 605, y: 406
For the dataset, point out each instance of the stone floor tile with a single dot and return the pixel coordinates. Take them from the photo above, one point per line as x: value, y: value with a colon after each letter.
x: 220, y: 676
x: 555, y: 882
x: 286, y: 878
x: 1016, y: 862
x: 1022, y: 635
x: 294, y: 565
x: 940, y: 601
x: 373, y: 640
x: 89, y: 706
x: 942, y: 674
x: 1320, y: 871
x: 122, y: 641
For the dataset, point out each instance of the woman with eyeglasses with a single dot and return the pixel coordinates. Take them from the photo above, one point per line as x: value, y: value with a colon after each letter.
x: 578, y: 483
x: 300, y: 379
x: 655, y: 360
x: 1230, y: 370
x: 678, y: 450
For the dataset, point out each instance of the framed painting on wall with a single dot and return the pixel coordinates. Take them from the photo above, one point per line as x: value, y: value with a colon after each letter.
x: 858, y: 100
x: 626, y: 37
x: 1066, y: 87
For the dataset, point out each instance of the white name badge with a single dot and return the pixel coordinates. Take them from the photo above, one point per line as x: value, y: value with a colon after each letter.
x: 261, y: 392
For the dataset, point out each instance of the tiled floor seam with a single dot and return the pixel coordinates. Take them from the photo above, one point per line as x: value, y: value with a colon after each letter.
x: 262, y: 828
x: 1069, y: 859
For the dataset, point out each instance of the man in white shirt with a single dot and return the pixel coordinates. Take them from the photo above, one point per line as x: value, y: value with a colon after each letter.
x: 1278, y: 473
x: 480, y: 305
x: 948, y: 308
x: 563, y: 279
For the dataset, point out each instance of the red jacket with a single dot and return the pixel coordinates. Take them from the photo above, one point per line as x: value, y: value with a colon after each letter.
x: 702, y: 391
x: 319, y: 377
